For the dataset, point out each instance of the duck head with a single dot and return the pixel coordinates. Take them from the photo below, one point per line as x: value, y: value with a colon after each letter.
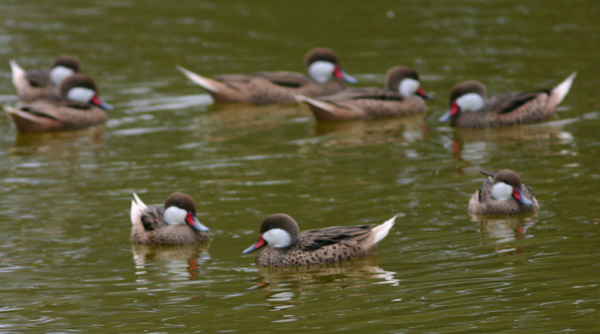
x: 507, y: 185
x: 180, y: 209
x: 405, y: 80
x: 63, y: 66
x: 81, y: 88
x: 323, y: 64
x: 468, y: 96
x: 278, y: 231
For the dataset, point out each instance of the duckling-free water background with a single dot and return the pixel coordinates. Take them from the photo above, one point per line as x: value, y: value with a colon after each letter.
x: 66, y: 261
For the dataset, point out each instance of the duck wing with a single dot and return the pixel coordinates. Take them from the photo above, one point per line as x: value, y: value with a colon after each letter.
x: 507, y: 103
x: 312, y: 240
x: 39, y: 77
x: 367, y: 93
x: 285, y: 79
x: 152, y: 219
x: 486, y: 187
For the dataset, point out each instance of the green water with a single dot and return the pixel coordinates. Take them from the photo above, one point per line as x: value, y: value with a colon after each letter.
x: 66, y: 261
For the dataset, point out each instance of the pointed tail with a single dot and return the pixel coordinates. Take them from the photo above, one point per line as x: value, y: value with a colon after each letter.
x: 18, y: 73
x: 137, y: 207
x: 208, y: 84
x: 382, y: 230
x: 314, y: 103
x: 560, y: 91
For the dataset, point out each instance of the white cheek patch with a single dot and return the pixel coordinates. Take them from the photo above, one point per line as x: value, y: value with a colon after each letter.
x: 502, y: 191
x: 81, y: 94
x: 60, y: 73
x: 321, y: 71
x: 408, y: 87
x: 175, y: 216
x: 470, y: 102
x: 277, y: 238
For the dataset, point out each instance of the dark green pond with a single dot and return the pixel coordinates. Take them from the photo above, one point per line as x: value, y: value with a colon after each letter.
x: 66, y: 261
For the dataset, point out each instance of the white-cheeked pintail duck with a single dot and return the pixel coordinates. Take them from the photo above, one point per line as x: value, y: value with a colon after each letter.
x: 398, y: 98
x: 288, y: 247
x: 77, y: 107
x: 503, y: 194
x: 45, y: 82
x: 325, y: 77
x: 173, y: 224
x: 470, y: 107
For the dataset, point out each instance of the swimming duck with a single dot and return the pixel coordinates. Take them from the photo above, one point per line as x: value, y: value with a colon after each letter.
x: 503, y: 194
x: 45, y: 82
x: 288, y: 247
x: 325, y: 77
x: 470, y: 108
x: 398, y: 98
x: 173, y: 224
x: 77, y: 107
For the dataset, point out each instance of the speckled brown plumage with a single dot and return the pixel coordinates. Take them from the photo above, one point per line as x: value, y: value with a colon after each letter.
x: 271, y: 87
x: 508, y: 109
x: 483, y: 203
x: 262, y: 90
x: 58, y: 113
x: 326, y: 245
x: 36, y: 84
x: 369, y: 103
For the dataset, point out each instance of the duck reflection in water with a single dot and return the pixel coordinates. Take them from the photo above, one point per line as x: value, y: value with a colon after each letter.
x: 289, y: 287
x: 506, y: 232
x: 479, y: 144
x: 405, y: 129
x: 183, y: 260
x: 63, y: 144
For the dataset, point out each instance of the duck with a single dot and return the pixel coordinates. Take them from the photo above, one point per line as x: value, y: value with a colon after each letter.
x: 470, y: 107
x: 77, y: 107
x: 325, y: 77
x: 401, y: 96
x: 503, y: 194
x: 287, y: 247
x: 45, y: 82
x: 173, y: 224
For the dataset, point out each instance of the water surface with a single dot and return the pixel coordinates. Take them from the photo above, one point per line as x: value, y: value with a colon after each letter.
x: 66, y: 257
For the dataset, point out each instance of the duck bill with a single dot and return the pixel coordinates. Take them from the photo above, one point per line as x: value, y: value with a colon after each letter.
x: 450, y: 113
x: 518, y: 195
x: 259, y: 244
x: 340, y: 74
x: 424, y: 95
x: 445, y: 117
x: 195, y: 223
x: 96, y: 100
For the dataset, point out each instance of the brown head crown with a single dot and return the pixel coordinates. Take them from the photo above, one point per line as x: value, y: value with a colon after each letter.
x: 320, y: 54
x: 182, y: 201
x: 67, y: 61
x: 509, y: 177
x: 396, y: 74
x: 77, y: 80
x: 467, y: 87
x: 283, y: 222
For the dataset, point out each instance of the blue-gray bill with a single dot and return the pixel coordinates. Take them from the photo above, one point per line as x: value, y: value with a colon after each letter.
x: 444, y: 117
